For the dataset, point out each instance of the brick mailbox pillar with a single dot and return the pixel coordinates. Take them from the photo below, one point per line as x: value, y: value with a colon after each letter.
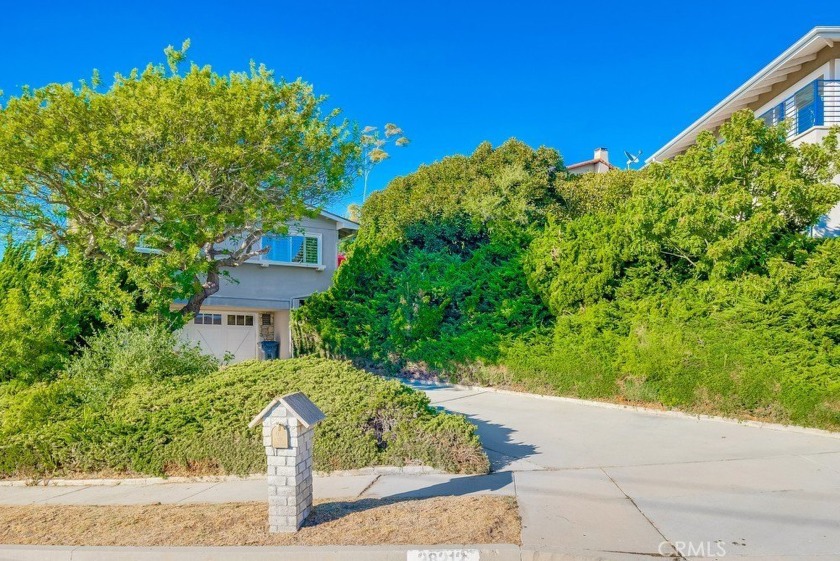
x: 288, y: 426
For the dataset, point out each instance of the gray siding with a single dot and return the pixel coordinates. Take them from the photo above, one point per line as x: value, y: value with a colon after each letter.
x: 273, y: 287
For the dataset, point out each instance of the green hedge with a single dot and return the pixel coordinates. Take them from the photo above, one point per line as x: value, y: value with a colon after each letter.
x: 198, y: 424
x: 691, y: 283
x: 760, y: 347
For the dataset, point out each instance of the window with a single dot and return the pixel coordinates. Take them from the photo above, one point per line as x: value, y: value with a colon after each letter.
x: 292, y: 249
x: 208, y: 319
x: 808, y: 107
x: 805, y: 101
x: 240, y: 319
x: 774, y: 116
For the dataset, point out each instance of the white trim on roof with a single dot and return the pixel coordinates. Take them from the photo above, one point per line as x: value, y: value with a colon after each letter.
x: 790, y: 61
x: 344, y: 223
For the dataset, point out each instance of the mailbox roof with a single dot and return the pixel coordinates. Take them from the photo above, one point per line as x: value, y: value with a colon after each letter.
x: 298, y: 405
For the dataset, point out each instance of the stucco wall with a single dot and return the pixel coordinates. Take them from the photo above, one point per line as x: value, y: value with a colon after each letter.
x: 594, y: 167
x: 273, y: 286
x: 282, y: 333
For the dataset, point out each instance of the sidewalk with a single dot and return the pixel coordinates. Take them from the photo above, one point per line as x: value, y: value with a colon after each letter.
x: 245, y: 490
x: 393, y: 485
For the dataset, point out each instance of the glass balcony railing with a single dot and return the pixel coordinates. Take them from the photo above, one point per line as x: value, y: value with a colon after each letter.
x: 815, y: 105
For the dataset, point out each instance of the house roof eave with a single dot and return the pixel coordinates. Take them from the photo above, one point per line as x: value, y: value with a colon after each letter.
x: 786, y: 63
x: 591, y: 162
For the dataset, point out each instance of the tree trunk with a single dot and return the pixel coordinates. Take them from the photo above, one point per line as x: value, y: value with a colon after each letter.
x: 235, y: 258
x: 208, y: 288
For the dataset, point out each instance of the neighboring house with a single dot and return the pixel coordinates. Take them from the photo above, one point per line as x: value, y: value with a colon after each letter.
x: 254, y: 304
x: 598, y: 164
x: 800, y: 88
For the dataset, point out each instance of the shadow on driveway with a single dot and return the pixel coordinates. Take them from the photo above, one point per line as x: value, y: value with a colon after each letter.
x: 499, y: 445
x: 495, y: 438
x: 460, y: 486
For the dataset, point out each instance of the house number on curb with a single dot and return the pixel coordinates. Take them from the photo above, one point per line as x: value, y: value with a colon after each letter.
x: 442, y: 555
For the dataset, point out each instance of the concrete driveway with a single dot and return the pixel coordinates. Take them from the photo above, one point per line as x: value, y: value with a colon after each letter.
x: 617, y: 483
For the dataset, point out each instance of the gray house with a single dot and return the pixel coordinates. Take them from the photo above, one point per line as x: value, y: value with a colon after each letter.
x: 254, y: 304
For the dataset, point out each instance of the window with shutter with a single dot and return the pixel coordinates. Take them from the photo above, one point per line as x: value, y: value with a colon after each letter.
x: 292, y: 249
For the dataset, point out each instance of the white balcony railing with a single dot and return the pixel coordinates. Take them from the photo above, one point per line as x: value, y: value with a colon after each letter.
x: 815, y: 105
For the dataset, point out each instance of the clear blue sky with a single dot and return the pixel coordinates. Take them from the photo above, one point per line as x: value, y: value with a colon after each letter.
x: 625, y: 75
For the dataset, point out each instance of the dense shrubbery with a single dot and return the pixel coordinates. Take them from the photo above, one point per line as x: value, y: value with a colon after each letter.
x: 50, y: 302
x: 435, y: 275
x: 691, y: 283
x: 118, y: 359
x: 91, y: 380
x: 761, y: 346
x: 138, y: 402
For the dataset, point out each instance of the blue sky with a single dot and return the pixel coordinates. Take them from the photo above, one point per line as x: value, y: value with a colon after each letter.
x: 625, y: 75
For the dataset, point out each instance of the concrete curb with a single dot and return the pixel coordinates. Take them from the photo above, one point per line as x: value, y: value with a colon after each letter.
x: 113, y: 481
x: 497, y: 552
x: 636, y: 408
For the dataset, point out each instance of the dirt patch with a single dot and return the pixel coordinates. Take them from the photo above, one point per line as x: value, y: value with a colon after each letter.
x: 439, y: 520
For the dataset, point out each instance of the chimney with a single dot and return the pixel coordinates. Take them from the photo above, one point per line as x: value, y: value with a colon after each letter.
x: 602, y: 154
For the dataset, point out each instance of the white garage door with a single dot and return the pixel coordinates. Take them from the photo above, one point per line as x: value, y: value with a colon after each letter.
x: 224, y: 334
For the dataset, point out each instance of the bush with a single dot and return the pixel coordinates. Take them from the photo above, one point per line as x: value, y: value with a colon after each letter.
x: 50, y: 302
x: 435, y: 275
x: 45, y: 305
x: 119, y: 358
x: 176, y: 423
x: 765, y: 347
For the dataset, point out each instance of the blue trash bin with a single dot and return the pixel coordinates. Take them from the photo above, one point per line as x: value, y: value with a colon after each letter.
x: 270, y: 349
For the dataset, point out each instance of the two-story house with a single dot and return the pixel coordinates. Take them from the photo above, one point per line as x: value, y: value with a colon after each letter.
x: 800, y: 88
x: 254, y: 304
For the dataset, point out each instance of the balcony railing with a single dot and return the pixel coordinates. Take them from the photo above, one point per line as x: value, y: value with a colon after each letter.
x: 815, y: 105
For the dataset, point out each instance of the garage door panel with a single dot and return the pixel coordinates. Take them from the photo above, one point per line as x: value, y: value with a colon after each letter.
x: 241, y: 342
x: 208, y: 338
x: 221, y: 339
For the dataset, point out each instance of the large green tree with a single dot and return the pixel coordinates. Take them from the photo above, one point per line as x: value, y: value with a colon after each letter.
x: 734, y: 200
x: 435, y: 274
x: 193, y: 165
x: 726, y: 207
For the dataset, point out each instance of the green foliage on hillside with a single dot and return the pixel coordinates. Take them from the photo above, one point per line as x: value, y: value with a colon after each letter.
x: 50, y: 302
x: 435, y: 274
x: 692, y: 283
x: 139, y: 402
x: 763, y: 346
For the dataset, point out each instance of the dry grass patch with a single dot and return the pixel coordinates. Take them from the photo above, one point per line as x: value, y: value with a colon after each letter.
x: 439, y: 520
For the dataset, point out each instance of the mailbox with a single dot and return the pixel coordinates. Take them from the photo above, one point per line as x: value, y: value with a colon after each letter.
x: 288, y: 428
x: 279, y: 436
